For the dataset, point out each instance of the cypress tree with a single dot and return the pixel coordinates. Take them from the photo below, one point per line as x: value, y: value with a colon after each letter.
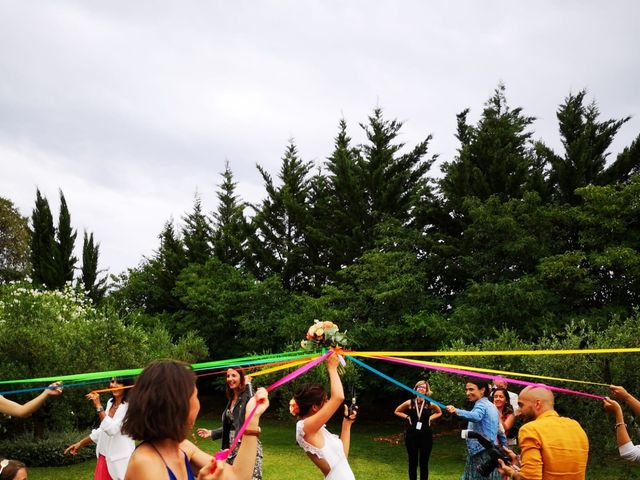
x: 44, y: 250
x: 66, y: 239
x: 94, y: 286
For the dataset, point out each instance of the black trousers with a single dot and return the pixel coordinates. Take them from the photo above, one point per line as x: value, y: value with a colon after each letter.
x: 419, y: 444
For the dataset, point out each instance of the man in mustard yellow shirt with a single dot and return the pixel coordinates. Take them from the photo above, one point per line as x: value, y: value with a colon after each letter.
x: 552, y: 447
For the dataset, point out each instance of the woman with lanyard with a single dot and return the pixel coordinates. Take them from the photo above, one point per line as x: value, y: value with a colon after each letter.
x: 418, y: 414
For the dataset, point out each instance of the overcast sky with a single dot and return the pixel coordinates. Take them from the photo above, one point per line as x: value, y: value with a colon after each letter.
x: 131, y: 107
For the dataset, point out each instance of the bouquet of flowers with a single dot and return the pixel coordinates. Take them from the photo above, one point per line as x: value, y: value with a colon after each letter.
x: 323, y: 334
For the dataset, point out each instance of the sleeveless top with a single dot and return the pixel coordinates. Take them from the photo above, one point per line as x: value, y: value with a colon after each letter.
x: 332, y: 452
x: 415, y: 417
x: 172, y: 476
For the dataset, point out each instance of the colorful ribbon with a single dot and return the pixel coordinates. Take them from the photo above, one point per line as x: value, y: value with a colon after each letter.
x: 501, y: 373
x: 223, y: 454
x: 489, y: 377
x: 394, y: 381
x: 496, y: 353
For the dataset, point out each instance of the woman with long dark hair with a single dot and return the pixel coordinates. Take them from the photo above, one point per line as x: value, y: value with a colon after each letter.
x: 113, y: 449
x: 239, y: 390
x: 163, y: 408
x: 418, y: 414
x: 505, y: 412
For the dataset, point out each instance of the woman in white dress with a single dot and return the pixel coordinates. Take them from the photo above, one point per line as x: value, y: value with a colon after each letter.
x: 326, y: 450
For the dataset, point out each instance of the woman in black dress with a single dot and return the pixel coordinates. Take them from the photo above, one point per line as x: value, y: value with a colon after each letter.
x: 418, y: 414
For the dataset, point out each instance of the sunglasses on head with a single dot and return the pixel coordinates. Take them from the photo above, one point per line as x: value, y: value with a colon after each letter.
x: 3, y: 464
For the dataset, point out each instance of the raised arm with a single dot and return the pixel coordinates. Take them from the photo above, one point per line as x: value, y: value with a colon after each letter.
x: 621, y: 394
x: 242, y: 468
x: 314, y: 423
x: 11, y: 408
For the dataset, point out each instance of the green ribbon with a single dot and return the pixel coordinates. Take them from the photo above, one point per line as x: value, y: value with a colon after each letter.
x: 240, y: 361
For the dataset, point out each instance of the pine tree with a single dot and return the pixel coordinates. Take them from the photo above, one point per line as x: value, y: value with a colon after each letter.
x: 586, y: 141
x: 94, y: 286
x: 168, y: 262
x: 44, y: 250
x: 495, y: 157
x: 279, y: 244
x: 393, y: 182
x: 343, y: 217
x: 66, y: 239
x: 197, y: 235
x: 231, y: 230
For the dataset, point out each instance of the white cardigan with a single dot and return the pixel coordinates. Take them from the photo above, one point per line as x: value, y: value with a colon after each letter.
x: 110, y: 442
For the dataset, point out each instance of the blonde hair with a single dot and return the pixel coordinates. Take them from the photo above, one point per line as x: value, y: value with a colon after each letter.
x: 424, y: 382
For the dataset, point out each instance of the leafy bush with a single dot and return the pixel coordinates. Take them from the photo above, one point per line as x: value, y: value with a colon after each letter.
x: 47, y: 451
x: 46, y: 333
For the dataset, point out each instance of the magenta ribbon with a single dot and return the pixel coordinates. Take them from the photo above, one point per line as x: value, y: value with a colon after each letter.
x: 223, y: 454
x: 489, y: 377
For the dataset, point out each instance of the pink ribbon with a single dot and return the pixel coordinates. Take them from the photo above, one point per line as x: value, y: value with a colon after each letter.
x: 489, y: 377
x: 223, y: 454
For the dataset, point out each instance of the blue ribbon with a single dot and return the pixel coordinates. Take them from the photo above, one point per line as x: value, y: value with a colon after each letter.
x: 394, y: 381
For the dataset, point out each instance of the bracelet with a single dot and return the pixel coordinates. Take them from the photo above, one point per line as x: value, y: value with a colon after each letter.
x: 253, y: 433
x: 99, y: 409
x: 620, y: 425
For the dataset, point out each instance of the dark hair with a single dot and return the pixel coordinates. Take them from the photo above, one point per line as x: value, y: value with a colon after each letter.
x: 508, y: 408
x: 159, y: 403
x: 11, y: 470
x: 243, y: 386
x: 127, y: 382
x: 307, y: 396
x: 480, y: 383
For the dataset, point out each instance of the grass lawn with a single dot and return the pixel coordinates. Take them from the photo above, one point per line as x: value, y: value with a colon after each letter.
x: 369, y: 459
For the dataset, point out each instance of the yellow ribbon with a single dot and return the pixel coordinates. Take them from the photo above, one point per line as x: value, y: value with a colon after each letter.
x: 502, y: 372
x: 295, y: 363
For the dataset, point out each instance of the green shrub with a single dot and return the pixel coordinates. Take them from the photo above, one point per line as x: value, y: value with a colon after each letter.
x: 47, y: 451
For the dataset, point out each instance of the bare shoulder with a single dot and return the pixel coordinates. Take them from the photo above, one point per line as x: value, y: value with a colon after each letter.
x: 145, y: 464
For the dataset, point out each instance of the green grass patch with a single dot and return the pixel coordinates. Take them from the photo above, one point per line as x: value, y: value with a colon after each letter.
x: 370, y: 457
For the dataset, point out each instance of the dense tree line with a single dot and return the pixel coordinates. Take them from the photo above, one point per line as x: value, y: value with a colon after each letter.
x: 512, y: 235
x: 513, y: 246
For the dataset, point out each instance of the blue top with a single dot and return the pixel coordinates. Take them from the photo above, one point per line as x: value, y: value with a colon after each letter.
x: 172, y: 476
x: 189, y: 471
x: 484, y: 419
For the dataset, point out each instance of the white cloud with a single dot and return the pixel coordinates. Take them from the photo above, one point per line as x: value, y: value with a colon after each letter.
x: 131, y: 107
